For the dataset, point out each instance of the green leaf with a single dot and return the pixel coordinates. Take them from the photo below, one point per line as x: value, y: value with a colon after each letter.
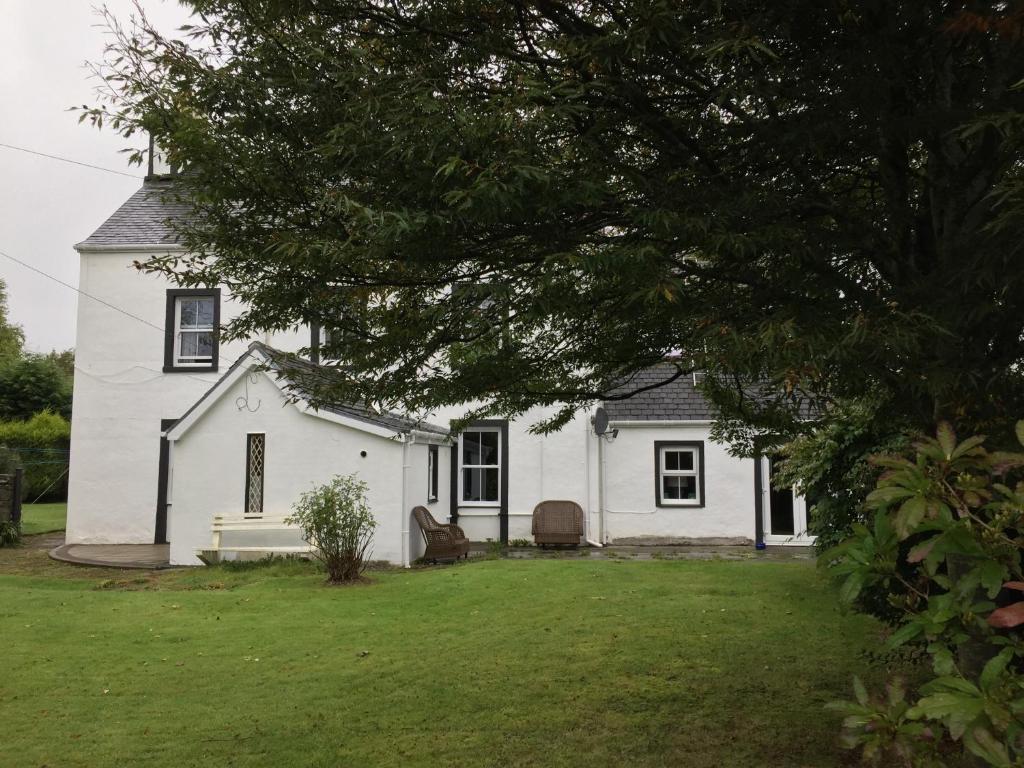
x: 1020, y: 431
x: 947, y: 438
x: 860, y: 692
x: 904, y: 634
x: 910, y: 515
x: 982, y: 743
x: 851, y: 587
x: 994, y: 668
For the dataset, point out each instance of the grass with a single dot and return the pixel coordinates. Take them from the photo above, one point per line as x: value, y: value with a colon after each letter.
x: 492, y: 663
x: 43, y: 518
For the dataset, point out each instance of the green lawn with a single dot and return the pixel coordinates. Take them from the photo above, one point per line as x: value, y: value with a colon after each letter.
x: 493, y: 663
x: 43, y: 518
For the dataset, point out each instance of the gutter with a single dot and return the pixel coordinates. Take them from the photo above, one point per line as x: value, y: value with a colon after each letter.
x: 84, y: 247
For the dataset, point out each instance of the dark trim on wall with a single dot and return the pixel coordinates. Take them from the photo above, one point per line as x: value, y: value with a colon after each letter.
x: 453, y: 491
x: 314, y: 343
x: 162, y: 478
x: 758, y: 503
x: 435, y: 474
x: 699, y: 445
x: 172, y: 295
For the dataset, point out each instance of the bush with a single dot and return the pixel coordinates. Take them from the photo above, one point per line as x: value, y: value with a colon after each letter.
x: 833, y: 470
x: 32, y: 384
x: 10, y: 533
x: 946, y: 543
x: 41, y: 445
x: 337, y: 522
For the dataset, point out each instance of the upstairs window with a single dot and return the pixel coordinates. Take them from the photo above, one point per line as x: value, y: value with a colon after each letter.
x: 480, y: 466
x: 679, y: 473
x: 191, y: 330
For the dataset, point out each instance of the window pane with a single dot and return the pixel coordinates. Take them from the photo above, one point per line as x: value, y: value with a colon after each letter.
x: 679, y: 460
x: 679, y: 488
x: 189, y: 345
x: 490, y: 484
x: 471, y: 448
x: 205, y: 312
x: 480, y: 484
x: 188, y: 313
x: 489, y: 447
x: 471, y: 484
x: 204, y: 345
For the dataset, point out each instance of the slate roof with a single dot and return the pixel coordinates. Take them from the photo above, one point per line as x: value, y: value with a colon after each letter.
x: 141, y: 220
x: 676, y: 401
x: 301, y: 373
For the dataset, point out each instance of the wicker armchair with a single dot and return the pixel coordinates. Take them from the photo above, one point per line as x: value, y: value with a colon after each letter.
x: 557, y: 522
x: 444, y: 541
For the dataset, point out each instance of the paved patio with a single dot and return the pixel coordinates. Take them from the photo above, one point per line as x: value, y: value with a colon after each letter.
x: 141, y: 556
x: 659, y: 552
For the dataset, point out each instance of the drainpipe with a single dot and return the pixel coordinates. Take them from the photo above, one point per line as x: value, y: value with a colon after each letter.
x: 410, y: 439
x: 602, y: 535
x: 592, y: 540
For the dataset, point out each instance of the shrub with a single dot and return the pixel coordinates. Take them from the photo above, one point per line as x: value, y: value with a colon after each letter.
x: 41, y: 445
x: 31, y: 384
x: 946, y: 543
x: 337, y: 522
x: 10, y: 533
x: 832, y: 468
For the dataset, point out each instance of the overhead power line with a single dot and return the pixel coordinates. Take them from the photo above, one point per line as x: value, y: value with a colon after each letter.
x: 69, y: 160
x: 79, y: 291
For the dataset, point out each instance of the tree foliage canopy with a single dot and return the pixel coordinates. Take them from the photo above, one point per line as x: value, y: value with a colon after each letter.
x: 519, y: 203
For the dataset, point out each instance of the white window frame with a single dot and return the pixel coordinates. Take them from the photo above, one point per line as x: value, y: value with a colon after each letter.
x: 184, y: 362
x: 463, y: 502
x: 696, y: 473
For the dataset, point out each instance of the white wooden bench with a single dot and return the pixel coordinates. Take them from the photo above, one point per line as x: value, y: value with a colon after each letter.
x: 221, y: 525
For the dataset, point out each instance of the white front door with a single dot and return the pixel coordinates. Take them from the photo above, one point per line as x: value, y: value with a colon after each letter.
x: 784, y: 512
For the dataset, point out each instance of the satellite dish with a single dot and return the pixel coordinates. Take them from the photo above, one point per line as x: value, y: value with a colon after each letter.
x: 600, y: 421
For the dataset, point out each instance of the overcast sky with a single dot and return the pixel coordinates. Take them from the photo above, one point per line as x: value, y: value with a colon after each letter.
x: 47, y: 206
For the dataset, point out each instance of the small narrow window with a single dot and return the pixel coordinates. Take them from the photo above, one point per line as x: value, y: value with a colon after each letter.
x: 679, y: 474
x: 191, y: 330
x: 255, y: 457
x: 432, y: 454
x: 480, y: 465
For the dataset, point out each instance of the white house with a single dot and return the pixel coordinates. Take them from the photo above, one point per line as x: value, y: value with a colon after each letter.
x: 171, y: 428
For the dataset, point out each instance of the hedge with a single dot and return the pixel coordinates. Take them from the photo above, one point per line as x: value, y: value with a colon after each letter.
x: 41, y: 445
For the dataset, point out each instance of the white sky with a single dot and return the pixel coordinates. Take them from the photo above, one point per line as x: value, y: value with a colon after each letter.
x: 47, y: 206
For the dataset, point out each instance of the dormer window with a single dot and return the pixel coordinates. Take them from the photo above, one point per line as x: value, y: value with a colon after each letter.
x: 190, y: 342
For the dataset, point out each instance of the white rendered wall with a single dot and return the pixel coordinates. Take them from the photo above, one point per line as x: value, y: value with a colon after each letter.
x: 121, y: 394
x: 630, y: 508
x: 208, y: 470
x: 540, y: 467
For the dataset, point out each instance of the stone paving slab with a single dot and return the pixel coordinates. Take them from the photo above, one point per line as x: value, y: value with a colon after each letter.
x: 141, y: 556
x: 660, y: 552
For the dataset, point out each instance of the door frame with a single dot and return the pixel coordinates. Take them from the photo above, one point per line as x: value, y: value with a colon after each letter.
x: 801, y: 538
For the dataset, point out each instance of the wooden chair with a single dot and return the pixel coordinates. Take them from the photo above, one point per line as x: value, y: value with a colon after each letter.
x: 557, y: 522
x: 445, y: 541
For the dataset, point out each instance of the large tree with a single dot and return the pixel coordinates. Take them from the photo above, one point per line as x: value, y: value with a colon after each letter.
x: 522, y: 202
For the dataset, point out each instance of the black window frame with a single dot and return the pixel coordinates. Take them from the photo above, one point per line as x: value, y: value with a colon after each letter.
x: 433, y: 474
x: 701, y: 501
x: 170, y: 364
